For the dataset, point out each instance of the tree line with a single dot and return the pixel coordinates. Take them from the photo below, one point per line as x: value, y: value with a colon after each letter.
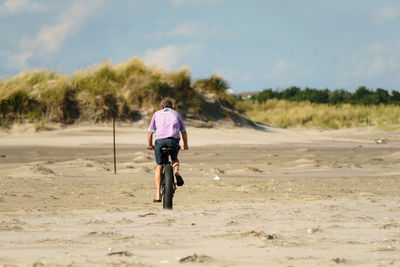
x: 361, y: 96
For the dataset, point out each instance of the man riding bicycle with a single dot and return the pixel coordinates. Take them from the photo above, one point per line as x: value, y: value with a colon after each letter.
x: 168, y: 126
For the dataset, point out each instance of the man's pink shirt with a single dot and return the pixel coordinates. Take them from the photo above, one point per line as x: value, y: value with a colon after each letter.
x: 167, y: 123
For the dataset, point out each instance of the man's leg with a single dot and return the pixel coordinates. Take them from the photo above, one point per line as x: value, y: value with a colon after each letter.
x: 157, y: 176
x: 175, y: 165
x: 179, y: 179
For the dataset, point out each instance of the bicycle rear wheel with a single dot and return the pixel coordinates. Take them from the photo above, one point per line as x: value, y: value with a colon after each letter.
x: 168, y: 189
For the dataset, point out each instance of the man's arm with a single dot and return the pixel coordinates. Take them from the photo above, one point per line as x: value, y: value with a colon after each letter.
x: 185, y: 141
x: 150, y: 140
x: 183, y: 133
x: 151, y: 130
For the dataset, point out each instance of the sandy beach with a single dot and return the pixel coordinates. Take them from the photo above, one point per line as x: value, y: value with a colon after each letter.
x: 284, y: 197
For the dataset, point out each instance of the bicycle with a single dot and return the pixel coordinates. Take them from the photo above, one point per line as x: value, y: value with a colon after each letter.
x: 168, y: 185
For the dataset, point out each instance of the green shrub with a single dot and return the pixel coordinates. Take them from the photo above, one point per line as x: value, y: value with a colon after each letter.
x: 362, y: 96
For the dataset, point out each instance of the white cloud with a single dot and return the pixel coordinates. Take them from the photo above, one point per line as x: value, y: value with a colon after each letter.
x: 18, y: 61
x: 376, y: 48
x: 53, y: 36
x: 194, y: 3
x: 165, y: 57
x: 281, y: 65
x: 386, y: 14
x: 379, y: 60
x: 364, y: 68
x: 50, y: 38
x: 182, y: 3
x: 186, y: 29
x: 279, y: 69
x: 193, y: 29
x: 17, y: 6
x: 172, y: 56
x: 380, y: 65
x: 376, y: 63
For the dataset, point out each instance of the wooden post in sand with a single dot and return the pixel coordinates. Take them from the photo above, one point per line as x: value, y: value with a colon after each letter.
x: 115, y: 155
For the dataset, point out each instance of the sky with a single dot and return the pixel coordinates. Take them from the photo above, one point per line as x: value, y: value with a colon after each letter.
x: 253, y: 44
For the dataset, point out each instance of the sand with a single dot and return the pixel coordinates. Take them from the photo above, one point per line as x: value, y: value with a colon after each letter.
x: 284, y: 198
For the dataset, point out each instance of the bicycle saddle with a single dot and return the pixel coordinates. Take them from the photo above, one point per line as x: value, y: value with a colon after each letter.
x: 167, y: 149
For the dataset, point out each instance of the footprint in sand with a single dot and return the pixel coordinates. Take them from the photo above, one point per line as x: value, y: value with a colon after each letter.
x: 248, y: 188
x: 141, y: 159
x: 57, y: 241
x: 259, y: 234
x: 120, y: 253
x: 125, y: 221
x: 95, y: 221
x: 106, y: 235
x: 40, y: 264
x: 306, y: 162
x: 217, y: 171
x: 252, y: 169
x: 249, y: 234
x: 39, y: 168
x: 196, y: 258
x: 212, y: 171
x: 390, y: 226
x: 140, y: 169
x: 14, y: 225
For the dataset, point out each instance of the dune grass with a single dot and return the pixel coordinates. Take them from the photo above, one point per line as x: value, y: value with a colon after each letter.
x: 287, y: 114
x: 98, y: 93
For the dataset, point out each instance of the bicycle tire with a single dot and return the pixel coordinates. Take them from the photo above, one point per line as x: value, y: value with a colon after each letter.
x: 168, y: 193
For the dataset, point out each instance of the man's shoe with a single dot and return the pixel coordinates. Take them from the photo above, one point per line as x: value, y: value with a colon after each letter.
x: 179, y: 180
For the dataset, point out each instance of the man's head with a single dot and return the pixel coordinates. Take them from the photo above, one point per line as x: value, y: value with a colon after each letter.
x: 166, y: 103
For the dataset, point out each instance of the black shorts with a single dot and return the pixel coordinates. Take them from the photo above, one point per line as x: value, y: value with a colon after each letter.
x: 162, y: 158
